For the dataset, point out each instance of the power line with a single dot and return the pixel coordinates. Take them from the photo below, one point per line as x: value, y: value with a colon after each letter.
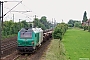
x: 21, y: 11
x: 13, y: 8
x: 12, y: 1
x: 25, y: 6
x: 25, y: 14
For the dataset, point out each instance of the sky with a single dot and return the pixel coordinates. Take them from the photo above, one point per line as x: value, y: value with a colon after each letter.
x: 58, y: 9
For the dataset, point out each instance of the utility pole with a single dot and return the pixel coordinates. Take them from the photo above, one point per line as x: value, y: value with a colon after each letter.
x: 19, y: 24
x: 52, y: 24
x: 35, y: 19
x: 2, y: 15
x: 13, y: 17
x: 0, y: 24
x: 35, y: 16
x: 62, y: 20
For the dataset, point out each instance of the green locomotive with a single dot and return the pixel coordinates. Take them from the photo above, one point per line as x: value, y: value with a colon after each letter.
x: 29, y: 38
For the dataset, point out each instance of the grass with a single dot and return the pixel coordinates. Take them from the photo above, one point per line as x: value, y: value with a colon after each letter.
x: 77, y: 44
x: 55, y: 51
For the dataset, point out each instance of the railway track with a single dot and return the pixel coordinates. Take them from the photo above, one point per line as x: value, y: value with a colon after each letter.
x: 21, y: 57
x: 16, y: 57
x: 32, y: 56
x: 8, y: 47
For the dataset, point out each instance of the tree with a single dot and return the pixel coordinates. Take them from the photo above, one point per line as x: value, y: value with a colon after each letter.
x: 41, y: 26
x: 25, y: 24
x: 36, y: 22
x: 42, y: 23
x: 85, y: 17
x: 43, y: 20
x: 77, y: 24
x: 71, y: 22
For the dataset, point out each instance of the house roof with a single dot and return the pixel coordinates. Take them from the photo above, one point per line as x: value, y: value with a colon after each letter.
x: 88, y: 21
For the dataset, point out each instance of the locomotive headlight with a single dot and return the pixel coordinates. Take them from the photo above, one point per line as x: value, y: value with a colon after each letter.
x: 33, y: 43
x: 34, y: 47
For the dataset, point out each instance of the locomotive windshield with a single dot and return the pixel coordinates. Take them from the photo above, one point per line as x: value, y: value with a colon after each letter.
x: 26, y: 34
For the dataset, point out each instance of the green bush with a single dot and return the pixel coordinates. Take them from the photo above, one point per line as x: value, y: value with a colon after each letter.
x: 80, y: 26
x: 60, y: 30
x: 85, y: 28
x: 70, y: 25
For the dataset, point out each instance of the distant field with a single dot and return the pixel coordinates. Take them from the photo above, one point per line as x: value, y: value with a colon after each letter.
x: 77, y: 44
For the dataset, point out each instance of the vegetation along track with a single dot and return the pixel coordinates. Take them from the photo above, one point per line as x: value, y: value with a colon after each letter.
x: 8, y: 46
x: 32, y: 56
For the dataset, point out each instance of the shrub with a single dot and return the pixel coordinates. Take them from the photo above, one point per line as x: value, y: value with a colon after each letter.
x: 70, y: 25
x: 60, y: 30
x: 85, y: 28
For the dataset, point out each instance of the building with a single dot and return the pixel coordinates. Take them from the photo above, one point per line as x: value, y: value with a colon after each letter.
x: 87, y: 23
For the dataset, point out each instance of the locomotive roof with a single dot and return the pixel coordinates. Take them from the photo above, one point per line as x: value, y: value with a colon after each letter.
x: 36, y: 30
x: 23, y: 30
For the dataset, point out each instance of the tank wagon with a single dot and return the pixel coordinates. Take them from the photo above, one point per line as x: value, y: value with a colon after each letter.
x: 30, y: 38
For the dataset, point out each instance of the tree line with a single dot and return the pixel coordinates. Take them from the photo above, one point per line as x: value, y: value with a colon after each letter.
x: 85, y: 24
x: 42, y: 23
x: 11, y: 28
x: 74, y: 23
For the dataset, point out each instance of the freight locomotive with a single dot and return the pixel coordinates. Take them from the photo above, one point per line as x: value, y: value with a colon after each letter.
x: 30, y: 38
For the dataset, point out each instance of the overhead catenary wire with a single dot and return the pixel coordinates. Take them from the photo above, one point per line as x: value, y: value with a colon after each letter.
x: 25, y: 6
x: 12, y: 8
x: 20, y: 11
x: 28, y: 8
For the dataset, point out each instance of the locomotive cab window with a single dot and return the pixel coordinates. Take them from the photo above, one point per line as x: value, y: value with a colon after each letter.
x: 26, y: 35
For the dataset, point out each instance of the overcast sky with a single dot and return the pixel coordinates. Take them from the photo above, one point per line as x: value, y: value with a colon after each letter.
x: 58, y: 9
